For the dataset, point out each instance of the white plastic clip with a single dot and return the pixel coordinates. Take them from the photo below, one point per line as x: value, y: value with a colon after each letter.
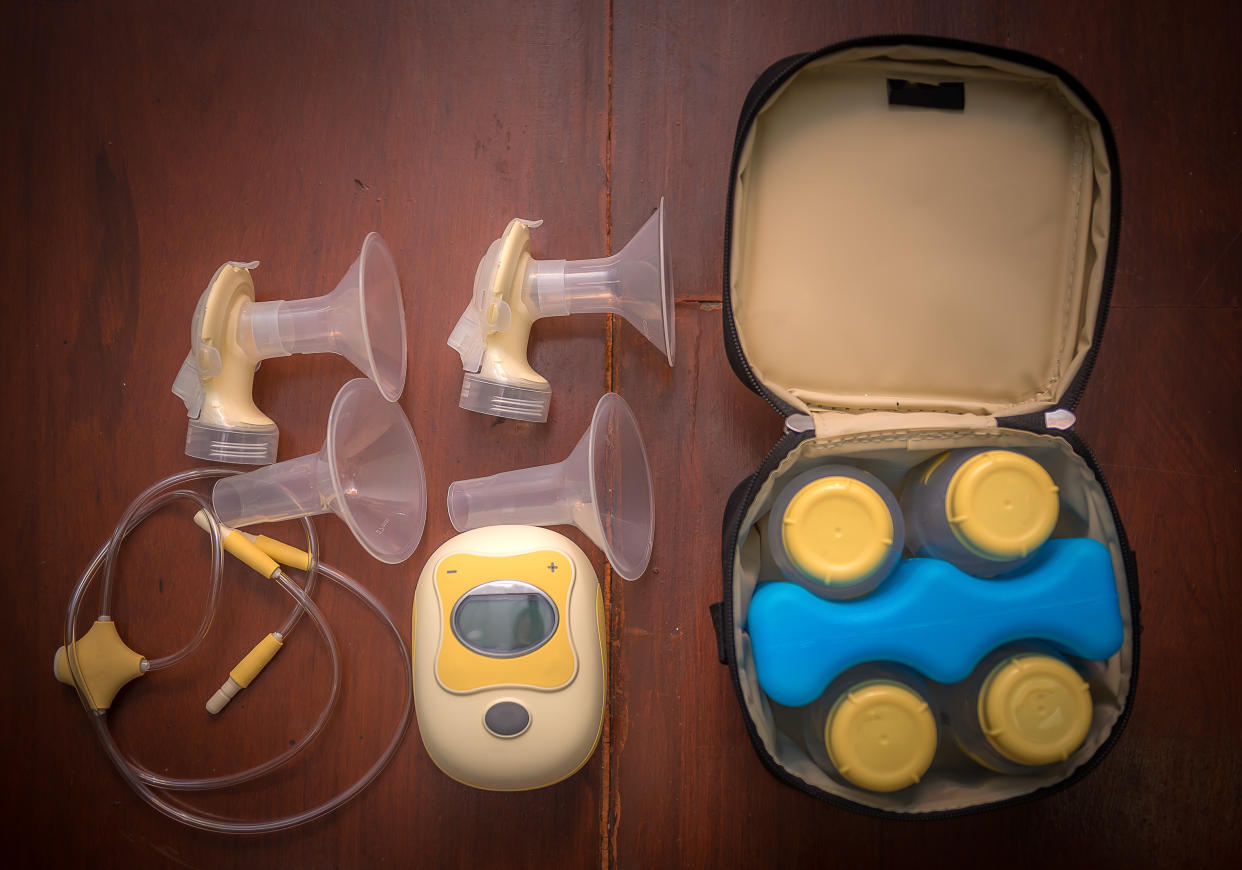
x: 1061, y: 418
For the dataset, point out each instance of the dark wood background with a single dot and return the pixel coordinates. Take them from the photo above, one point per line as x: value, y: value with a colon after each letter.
x: 143, y: 144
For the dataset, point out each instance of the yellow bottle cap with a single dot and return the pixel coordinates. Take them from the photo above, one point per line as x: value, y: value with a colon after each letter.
x: 1035, y: 709
x: 1001, y: 505
x: 881, y: 736
x: 837, y: 530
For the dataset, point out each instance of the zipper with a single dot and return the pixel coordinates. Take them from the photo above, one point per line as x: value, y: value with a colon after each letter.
x: 1057, y: 419
x: 737, y: 358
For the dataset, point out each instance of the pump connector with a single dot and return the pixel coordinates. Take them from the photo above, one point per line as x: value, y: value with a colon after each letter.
x: 245, y: 672
x: 103, y: 662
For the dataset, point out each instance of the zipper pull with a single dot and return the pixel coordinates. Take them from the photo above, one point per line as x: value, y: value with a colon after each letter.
x: 1059, y: 418
x: 799, y: 423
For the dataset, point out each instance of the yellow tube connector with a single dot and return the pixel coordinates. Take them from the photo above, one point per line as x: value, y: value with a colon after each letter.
x: 285, y: 554
x: 245, y: 672
x: 258, y: 551
x: 104, y: 664
x: 265, y: 555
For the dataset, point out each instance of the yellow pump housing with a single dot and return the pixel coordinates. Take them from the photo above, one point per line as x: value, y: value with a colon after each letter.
x: 217, y: 379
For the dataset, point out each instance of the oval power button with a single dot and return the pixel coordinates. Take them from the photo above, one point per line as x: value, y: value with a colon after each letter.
x: 506, y: 719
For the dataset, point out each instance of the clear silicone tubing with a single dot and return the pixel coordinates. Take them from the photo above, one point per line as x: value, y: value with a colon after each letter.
x: 145, y: 508
x: 142, y: 780
x: 146, y: 504
x: 312, y: 574
x: 225, y: 780
x: 142, y: 507
x: 219, y: 824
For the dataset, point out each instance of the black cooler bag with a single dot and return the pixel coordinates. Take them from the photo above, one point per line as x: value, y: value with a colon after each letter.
x: 920, y: 243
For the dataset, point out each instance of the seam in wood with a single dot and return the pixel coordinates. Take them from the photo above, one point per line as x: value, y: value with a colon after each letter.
x: 607, y: 856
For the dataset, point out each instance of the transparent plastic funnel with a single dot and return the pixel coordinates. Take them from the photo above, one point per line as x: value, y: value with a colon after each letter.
x: 369, y: 473
x: 603, y: 488
x: 363, y: 320
x: 636, y: 284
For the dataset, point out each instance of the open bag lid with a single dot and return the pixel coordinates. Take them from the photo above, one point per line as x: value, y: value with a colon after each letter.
x: 919, y: 225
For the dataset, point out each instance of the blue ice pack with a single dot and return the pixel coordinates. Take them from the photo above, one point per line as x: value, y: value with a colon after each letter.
x: 934, y: 618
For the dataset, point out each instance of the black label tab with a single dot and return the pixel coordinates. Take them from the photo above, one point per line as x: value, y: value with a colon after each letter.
x: 950, y: 96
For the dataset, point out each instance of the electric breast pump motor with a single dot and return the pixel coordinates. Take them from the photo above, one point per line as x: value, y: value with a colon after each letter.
x: 510, y: 658
x: 512, y: 291
x: 363, y: 320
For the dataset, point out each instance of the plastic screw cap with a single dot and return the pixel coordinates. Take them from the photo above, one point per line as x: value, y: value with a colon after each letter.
x: 837, y: 530
x: 881, y: 736
x: 1035, y: 709
x: 1002, y: 505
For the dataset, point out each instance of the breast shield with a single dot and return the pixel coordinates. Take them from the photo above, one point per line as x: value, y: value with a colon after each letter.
x: 603, y: 488
x: 369, y: 473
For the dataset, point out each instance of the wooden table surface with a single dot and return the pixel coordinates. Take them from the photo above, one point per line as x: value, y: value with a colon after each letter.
x: 143, y: 144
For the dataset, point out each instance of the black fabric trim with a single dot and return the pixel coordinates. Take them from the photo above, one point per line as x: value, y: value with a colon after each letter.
x: 718, y: 627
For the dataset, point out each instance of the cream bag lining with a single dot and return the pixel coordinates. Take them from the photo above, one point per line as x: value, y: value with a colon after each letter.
x: 896, y: 258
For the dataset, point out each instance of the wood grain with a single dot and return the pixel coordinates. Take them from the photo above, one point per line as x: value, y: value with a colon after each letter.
x: 146, y: 143
x: 149, y: 145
